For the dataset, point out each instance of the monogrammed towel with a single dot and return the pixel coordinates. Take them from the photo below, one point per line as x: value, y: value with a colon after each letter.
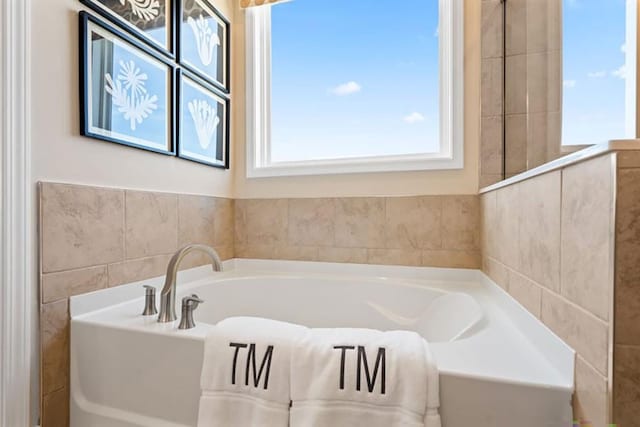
x: 361, y: 377
x: 245, y: 374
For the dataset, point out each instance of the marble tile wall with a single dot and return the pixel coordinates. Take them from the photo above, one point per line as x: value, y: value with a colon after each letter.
x: 549, y: 242
x: 94, y: 238
x: 435, y: 231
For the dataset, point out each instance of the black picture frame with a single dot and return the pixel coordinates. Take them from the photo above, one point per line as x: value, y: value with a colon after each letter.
x: 87, y: 125
x: 223, y: 84
x: 183, y: 77
x: 168, y: 49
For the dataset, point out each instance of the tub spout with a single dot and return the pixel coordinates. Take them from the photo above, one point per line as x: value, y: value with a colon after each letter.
x: 168, y: 294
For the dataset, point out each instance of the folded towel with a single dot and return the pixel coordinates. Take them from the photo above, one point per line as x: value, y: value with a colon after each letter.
x: 361, y: 377
x: 245, y: 374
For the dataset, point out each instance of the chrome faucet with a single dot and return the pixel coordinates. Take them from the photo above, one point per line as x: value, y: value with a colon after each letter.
x: 168, y: 294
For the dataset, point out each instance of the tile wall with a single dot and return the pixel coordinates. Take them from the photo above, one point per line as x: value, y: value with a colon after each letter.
x: 566, y: 245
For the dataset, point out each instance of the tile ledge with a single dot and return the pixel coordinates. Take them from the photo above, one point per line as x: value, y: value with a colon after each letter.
x: 568, y: 160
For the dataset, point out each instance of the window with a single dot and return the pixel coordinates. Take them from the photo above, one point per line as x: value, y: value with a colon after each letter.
x: 599, y: 67
x: 337, y: 86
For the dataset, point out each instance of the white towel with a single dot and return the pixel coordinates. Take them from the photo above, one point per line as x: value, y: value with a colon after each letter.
x: 246, y: 373
x: 361, y: 377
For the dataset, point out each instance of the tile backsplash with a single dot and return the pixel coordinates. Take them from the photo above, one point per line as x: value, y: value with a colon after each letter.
x: 93, y: 238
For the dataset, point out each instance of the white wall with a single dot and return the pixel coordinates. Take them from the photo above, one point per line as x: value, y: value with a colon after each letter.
x: 60, y: 154
x: 371, y: 184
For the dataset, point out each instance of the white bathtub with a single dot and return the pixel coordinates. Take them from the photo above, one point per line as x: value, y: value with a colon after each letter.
x: 499, y: 366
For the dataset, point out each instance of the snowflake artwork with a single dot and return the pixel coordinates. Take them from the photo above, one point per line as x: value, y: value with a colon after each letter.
x: 129, y: 93
x: 206, y: 39
x: 206, y: 120
x: 144, y: 9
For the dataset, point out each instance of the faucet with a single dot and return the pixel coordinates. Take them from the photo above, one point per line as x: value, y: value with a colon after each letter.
x: 168, y: 294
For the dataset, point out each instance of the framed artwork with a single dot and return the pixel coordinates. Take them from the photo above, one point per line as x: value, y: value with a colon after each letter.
x: 127, y: 91
x: 152, y: 20
x: 203, y: 121
x: 204, y: 44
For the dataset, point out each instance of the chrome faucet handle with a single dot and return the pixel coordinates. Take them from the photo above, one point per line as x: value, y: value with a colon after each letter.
x: 189, y: 304
x: 149, y: 301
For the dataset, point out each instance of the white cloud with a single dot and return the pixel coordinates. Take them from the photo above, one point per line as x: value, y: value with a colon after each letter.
x: 621, y: 72
x: 623, y: 48
x: 348, y: 88
x: 569, y: 83
x: 414, y: 117
x: 597, y: 74
x: 436, y: 33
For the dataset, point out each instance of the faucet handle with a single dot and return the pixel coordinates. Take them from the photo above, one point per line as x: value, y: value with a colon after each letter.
x: 149, y: 301
x: 189, y: 304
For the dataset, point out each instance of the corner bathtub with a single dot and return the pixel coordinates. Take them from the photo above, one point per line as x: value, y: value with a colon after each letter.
x: 499, y: 366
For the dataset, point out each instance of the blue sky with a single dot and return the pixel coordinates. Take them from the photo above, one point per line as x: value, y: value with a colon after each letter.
x: 354, y: 78
x: 593, y: 39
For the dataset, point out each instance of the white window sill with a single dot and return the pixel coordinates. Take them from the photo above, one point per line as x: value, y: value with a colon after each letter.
x: 363, y: 165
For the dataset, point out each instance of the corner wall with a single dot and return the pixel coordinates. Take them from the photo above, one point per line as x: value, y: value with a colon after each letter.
x: 550, y: 242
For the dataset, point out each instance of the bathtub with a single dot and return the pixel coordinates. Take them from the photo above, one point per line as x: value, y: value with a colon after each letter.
x: 499, y: 366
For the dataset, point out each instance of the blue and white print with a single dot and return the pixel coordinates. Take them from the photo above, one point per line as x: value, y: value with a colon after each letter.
x: 202, y: 123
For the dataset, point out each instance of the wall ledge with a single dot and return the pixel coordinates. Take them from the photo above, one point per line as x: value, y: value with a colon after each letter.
x: 571, y: 159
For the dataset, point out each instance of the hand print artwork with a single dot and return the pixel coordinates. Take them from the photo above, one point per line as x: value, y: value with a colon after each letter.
x: 206, y: 120
x: 128, y: 93
x: 203, y: 122
x: 206, y: 39
x: 204, y: 42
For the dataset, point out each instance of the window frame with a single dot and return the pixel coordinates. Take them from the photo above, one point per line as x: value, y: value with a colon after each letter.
x: 258, y: 106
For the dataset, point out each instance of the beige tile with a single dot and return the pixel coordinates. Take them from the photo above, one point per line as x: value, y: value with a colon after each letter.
x: 526, y: 292
x: 241, y: 237
x: 461, y: 223
x: 491, y: 36
x: 489, y: 224
x: 496, y: 272
x: 491, y: 146
x: 628, y: 159
x: 197, y: 220
x: 451, y: 259
x: 278, y: 252
x: 224, y: 226
x: 490, y: 179
x: 539, y: 247
x: 55, y: 409
x: 266, y: 221
x: 407, y: 257
x: 312, y: 222
x: 491, y: 86
x: 516, y: 87
x: 544, y: 81
x: 587, y: 334
x: 590, y: 396
x: 343, y: 255
x: 138, y: 269
x: 516, y: 140
x: 413, y: 222
x: 536, y: 139
x: 225, y: 252
x: 626, y: 385
x: 151, y: 224
x: 57, y: 286
x: 360, y: 222
x: 544, y: 25
x: 587, y: 235
x: 80, y: 226
x: 516, y: 42
x: 507, y: 229
x: 54, y: 341
x: 627, y: 281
